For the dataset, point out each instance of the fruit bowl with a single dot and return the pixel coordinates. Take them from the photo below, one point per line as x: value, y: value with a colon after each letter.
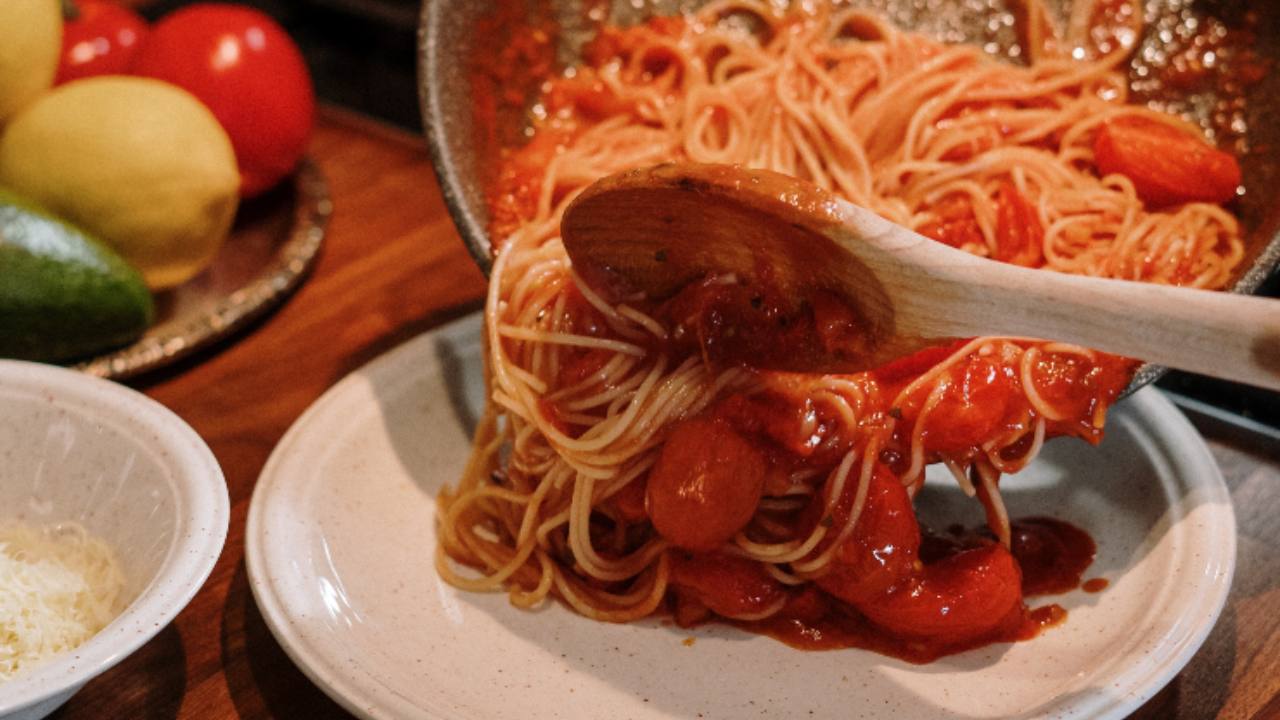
x: 272, y: 247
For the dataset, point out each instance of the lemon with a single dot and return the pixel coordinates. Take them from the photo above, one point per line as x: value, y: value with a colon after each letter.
x: 139, y: 163
x: 30, y: 40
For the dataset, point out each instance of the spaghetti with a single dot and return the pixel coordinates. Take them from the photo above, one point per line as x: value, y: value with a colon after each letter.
x: 622, y: 469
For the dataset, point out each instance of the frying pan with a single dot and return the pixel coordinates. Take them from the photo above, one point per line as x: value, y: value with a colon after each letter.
x: 458, y: 39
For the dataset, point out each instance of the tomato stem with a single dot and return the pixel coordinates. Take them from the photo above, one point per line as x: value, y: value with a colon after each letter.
x: 70, y: 11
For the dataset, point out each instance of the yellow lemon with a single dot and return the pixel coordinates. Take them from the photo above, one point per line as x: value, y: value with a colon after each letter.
x: 30, y: 40
x: 139, y: 163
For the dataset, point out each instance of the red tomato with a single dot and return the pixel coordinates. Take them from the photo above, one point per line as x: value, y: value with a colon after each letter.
x: 884, y: 545
x: 244, y: 67
x: 918, y: 363
x: 1167, y: 166
x: 706, y: 484
x: 519, y: 185
x: 960, y: 599
x: 955, y: 224
x: 731, y: 587
x: 580, y: 364
x: 809, y: 605
x: 99, y: 38
x: 971, y: 409
x: 1019, y: 234
x: 1075, y: 386
x: 785, y: 420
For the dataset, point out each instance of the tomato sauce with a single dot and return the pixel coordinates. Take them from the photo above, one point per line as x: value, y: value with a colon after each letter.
x: 754, y: 324
x: 836, y: 625
x: 846, y: 629
x: 1095, y: 585
x: 506, y: 74
x: 1053, y: 555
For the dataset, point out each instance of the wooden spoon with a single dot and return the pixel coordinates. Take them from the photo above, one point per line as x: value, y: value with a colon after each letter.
x: 656, y: 230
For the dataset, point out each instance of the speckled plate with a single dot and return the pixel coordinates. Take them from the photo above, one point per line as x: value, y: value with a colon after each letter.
x: 341, y: 533
x: 274, y: 243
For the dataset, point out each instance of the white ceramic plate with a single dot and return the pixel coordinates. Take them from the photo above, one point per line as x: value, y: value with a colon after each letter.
x: 341, y: 535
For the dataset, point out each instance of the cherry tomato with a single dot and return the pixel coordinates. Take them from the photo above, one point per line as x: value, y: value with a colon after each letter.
x: 884, y: 545
x: 971, y: 408
x: 787, y: 420
x: 706, y: 484
x: 955, y: 224
x: 918, y: 363
x: 1167, y: 166
x: 1019, y: 234
x: 244, y: 67
x: 731, y: 587
x: 99, y: 37
x: 960, y: 599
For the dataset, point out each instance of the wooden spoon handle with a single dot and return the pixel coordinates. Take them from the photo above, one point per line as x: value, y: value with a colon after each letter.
x: 1235, y: 337
x: 944, y: 292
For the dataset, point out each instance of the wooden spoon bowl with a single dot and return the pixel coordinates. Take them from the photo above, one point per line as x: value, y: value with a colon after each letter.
x: 656, y: 230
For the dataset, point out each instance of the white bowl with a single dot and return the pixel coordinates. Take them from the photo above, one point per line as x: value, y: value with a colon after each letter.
x: 76, y: 448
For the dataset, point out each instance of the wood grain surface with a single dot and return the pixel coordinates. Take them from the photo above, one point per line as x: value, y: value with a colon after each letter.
x: 393, y: 267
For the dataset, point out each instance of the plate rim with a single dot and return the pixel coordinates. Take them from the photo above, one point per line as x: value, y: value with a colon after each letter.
x: 1162, y: 421
x: 335, y: 685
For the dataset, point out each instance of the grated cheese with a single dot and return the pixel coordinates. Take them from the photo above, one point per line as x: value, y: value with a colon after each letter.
x: 58, y: 587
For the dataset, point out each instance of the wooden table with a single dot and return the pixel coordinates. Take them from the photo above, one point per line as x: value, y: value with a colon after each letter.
x: 393, y: 267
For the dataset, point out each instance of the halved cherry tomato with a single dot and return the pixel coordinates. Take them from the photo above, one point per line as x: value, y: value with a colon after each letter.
x: 883, y: 547
x: 917, y: 363
x: 809, y: 605
x: 1019, y: 234
x: 962, y: 598
x: 1075, y: 386
x: 706, y: 484
x: 244, y: 67
x: 515, y: 193
x: 579, y: 364
x: 552, y: 413
x: 955, y: 224
x: 99, y: 37
x: 971, y: 408
x: 732, y: 587
x: 1065, y: 381
x: 1167, y: 166
x: 786, y: 420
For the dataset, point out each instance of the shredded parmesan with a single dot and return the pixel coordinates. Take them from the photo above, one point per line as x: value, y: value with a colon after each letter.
x: 58, y: 587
